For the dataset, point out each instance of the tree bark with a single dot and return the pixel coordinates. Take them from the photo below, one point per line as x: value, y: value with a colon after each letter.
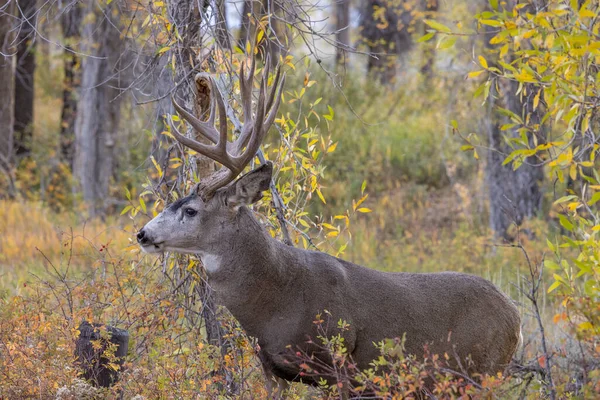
x: 71, y: 26
x: 245, y: 33
x: 515, y: 195
x: 386, y: 35
x: 24, y: 78
x: 342, y: 28
x: 7, y: 92
x: 277, y: 38
x: 431, y: 8
x: 97, y: 120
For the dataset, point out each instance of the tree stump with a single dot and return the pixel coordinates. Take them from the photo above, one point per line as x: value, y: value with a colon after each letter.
x: 93, y: 341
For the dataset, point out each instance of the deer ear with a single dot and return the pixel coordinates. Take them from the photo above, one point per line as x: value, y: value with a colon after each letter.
x: 248, y: 189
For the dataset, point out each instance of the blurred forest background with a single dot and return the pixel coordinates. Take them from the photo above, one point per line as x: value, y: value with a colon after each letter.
x: 414, y: 135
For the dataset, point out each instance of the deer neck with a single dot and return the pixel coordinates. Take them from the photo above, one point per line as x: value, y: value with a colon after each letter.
x: 248, y: 272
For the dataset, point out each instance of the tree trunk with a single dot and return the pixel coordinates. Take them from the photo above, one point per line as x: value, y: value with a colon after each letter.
x: 514, y: 194
x: 431, y: 8
x: 276, y: 38
x: 24, y: 78
x: 97, y: 120
x: 71, y: 25
x: 387, y: 37
x: 245, y: 33
x: 342, y: 28
x: 7, y: 92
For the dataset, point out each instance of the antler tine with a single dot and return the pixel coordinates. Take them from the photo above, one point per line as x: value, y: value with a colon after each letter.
x: 257, y: 132
x: 271, y: 107
x: 201, y: 148
x: 274, y: 90
x: 205, y: 129
x: 246, y: 90
x: 275, y: 106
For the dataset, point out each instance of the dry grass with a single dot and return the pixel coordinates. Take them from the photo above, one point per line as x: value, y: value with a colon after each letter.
x: 31, y: 236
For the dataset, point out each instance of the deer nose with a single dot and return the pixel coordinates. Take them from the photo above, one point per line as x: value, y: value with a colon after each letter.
x: 141, y: 237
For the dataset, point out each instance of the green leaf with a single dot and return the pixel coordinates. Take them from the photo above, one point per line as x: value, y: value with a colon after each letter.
x: 550, y: 264
x: 437, y: 26
x: 491, y: 22
x: 594, y: 199
x: 426, y: 37
x: 564, y: 199
x: 554, y: 286
x: 446, y: 42
x: 564, y: 221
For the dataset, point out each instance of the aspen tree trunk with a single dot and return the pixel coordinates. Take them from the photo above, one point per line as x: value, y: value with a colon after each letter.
x: 71, y: 27
x: 386, y: 37
x: 7, y: 92
x: 24, y: 78
x: 514, y: 195
x: 99, y: 108
x: 342, y: 27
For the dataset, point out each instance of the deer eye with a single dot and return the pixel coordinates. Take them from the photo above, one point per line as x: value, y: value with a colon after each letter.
x: 190, y: 212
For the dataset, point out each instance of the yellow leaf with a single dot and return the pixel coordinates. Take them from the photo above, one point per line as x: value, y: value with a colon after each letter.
x: 163, y: 50
x: 158, y: 168
x: 475, y: 74
x: 536, y: 99
x: 585, y: 325
x: 321, y: 196
x: 332, y: 148
x: 364, y: 210
x: 303, y: 223
x: 573, y: 171
x: 482, y: 62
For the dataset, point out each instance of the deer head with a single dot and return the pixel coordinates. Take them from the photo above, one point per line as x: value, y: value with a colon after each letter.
x: 215, y: 200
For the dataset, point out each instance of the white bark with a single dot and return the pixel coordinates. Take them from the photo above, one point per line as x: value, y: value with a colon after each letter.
x: 98, y: 108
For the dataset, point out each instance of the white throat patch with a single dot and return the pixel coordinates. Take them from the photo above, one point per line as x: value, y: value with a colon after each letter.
x: 211, y: 262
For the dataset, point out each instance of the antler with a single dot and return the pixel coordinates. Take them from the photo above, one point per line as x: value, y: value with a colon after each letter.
x: 236, y: 155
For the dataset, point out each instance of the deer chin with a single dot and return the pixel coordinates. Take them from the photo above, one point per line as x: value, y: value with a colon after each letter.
x: 153, y: 248
x: 163, y: 248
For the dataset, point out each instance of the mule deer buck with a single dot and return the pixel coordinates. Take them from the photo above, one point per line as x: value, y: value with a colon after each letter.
x: 275, y: 290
